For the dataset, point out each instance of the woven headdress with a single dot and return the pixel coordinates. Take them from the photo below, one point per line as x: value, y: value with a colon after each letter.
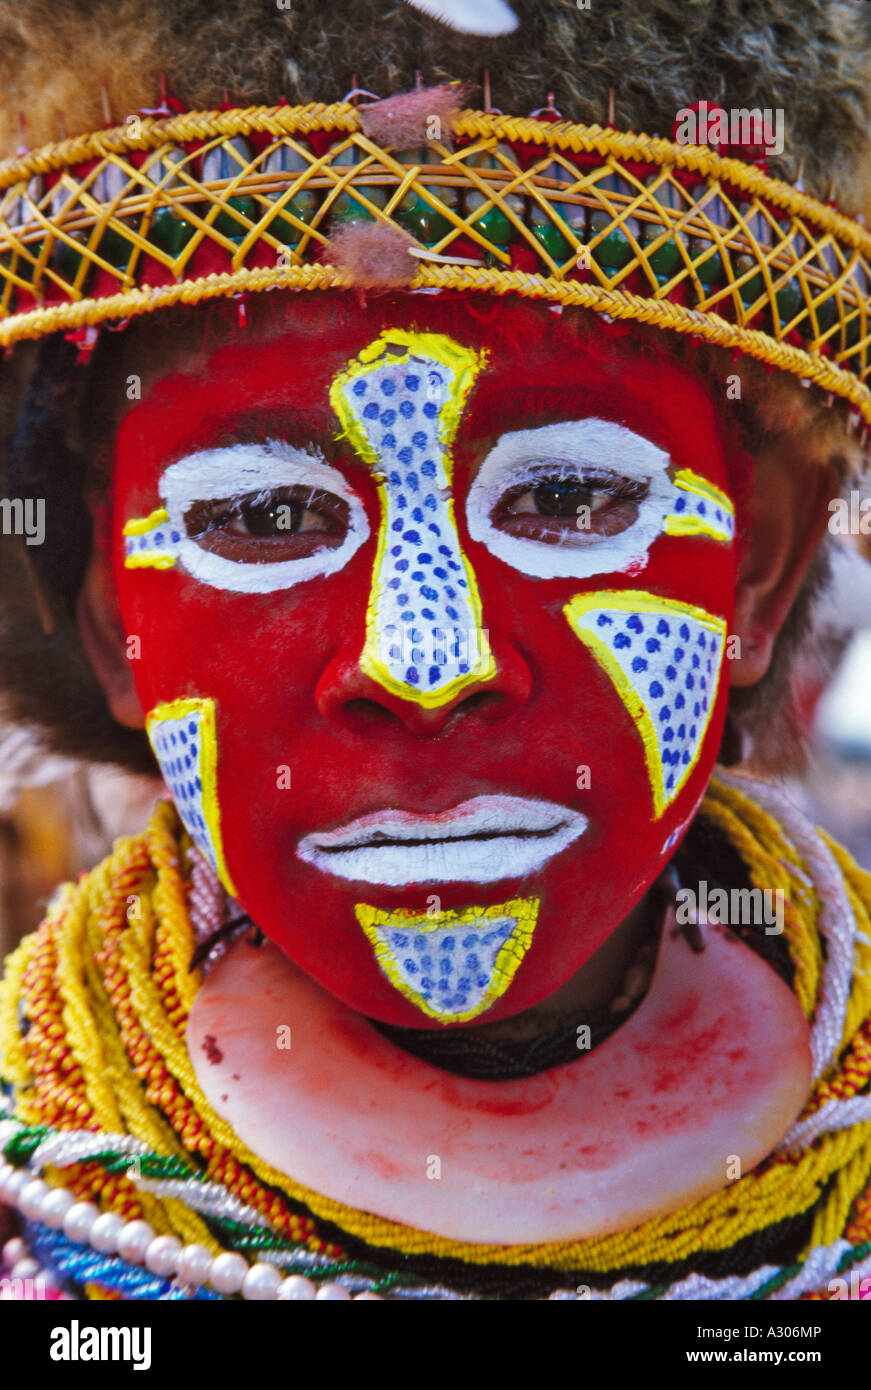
x: 183, y: 206
x: 178, y: 210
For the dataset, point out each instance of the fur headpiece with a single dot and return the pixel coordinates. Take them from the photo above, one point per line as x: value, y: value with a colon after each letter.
x: 809, y: 58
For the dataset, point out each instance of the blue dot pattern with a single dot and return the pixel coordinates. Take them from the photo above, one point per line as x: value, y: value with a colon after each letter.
x: 156, y: 546
x: 671, y: 660
x: 421, y: 628
x: 450, y: 968
x: 700, y: 510
x: 178, y: 747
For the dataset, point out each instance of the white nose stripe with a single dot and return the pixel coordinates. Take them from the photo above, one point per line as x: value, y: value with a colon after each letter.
x: 423, y: 627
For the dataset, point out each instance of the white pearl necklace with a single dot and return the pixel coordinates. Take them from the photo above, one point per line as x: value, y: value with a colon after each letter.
x: 191, y: 1266
x: 228, y: 1274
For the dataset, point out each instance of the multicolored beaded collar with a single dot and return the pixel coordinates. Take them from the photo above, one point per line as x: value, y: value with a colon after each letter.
x: 131, y: 1183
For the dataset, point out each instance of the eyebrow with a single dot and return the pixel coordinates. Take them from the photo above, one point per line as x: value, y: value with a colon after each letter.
x: 499, y: 407
x: 263, y: 423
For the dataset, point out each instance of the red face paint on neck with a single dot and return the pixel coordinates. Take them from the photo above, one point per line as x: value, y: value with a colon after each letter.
x: 431, y: 843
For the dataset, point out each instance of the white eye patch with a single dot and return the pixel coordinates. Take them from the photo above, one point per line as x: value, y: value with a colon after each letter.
x: 572, y: 449
x: 215, y: 474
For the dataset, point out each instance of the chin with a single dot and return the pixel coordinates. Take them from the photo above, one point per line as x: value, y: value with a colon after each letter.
x: 450, y: 953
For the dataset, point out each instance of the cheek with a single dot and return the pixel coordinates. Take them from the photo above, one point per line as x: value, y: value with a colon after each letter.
x: 631, y: 678
x: 664, y: 659
x: 228, y: 685
x: 256, y: 652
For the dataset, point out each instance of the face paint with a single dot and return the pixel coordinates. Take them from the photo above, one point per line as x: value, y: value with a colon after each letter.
x: 469, y: 844
x: 198, y: 487
x: 569, y: 452
x: 453, y: 965
x: 367, y: 818
x: 149, y: 541
x: 182, y: 734
x: 400, y: 410
x: 664, y: 659
x: 703, y: 511
x: 593, y: 452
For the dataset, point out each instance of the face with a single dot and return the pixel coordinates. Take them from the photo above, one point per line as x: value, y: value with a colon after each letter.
x: 432, y: 601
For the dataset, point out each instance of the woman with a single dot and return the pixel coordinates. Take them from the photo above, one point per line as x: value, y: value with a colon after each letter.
x: 447, y: 966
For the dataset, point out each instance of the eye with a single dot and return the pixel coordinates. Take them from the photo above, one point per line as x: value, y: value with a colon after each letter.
x: 259, y: 517
x: 572, y: 499
x: 271, y: 525
x: 557, y: 505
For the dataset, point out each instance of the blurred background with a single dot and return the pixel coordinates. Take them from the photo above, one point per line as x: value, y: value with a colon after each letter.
x: 833, y: 694
x: 57, y: 819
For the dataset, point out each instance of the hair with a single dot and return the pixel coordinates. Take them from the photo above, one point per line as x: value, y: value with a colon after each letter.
x: 809, y: 58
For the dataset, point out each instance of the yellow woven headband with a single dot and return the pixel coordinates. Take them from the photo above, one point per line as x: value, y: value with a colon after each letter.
x: 158, y: 212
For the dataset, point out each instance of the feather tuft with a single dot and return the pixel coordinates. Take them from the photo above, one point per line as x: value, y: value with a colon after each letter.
x: 373, y: 255
x: 413, y: 118
x: 489, y: 18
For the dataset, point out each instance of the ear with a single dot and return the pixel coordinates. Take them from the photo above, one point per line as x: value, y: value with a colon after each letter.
x: 788, y: 515
x: 105, y: 643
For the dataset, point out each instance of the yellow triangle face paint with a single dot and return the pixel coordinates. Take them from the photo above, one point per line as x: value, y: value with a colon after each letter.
x: 664, y: 658
x: 182, y: 734
x: 454, y: 965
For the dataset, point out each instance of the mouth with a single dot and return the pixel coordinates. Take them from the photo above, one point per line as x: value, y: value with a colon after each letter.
x: 482, y: 840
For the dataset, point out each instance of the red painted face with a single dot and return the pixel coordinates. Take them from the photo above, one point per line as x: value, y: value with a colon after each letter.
x: 433, y: 608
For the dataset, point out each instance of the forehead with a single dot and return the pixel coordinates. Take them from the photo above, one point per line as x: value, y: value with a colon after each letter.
x: 214, y: 379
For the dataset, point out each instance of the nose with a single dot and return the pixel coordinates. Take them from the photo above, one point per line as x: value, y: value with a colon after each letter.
x: 426, y: 658
x: 347, y: 695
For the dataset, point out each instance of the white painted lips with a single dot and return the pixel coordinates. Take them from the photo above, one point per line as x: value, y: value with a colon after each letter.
x: 482, y: 840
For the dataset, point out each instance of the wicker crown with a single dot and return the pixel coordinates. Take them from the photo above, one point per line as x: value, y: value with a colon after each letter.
x: 158, y: 212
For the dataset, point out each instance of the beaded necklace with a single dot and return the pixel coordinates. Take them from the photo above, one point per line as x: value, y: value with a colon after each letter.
x: 134, y: 1187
